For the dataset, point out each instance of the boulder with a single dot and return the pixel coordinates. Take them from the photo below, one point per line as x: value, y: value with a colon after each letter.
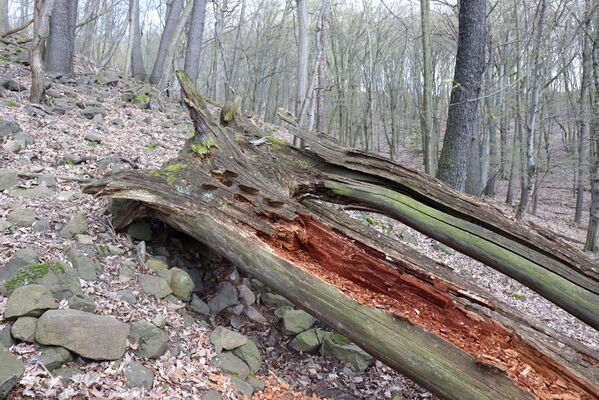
x: 250, y: 354
x: 54, y: 357
x: 246, y: 296
x: 139, y: 376
x: 198, y: 306
x: 128, y: 296
x: 22, y: 258
x: 276, y: 300
x: 21, y: 216
x: 8, y: 179
x: 223, y: 338
x: 90, y: 111
x: 35, y: 192
x: 11, y: 371
x: 231, y: 364
x: 24, y: 329
x: 91, y: 336
x: 61, y: 280
x: 296, y: 321
x: 12, y: 146
x: 342, y: 348
x: 77, y: 224
x: 211, y: 395
x: 126, y: 271
x: 243, y: 387
x: 6, y: 339
x: 152, y: 340
x: 154, y: 286
x: 156, y: 264
x: 181, y: 284
x: 86, y: 267
x: 82, y: 303
x: 29, y: 301
x: 309, y: 340
x: 9, y: 128
x: 226, y: 296
x: 254, y: 315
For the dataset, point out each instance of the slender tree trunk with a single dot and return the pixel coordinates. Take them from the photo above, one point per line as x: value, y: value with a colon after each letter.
x: 169, y: 56
x: 229, y: 92
x: 429, y: 141
x: 302, y: 65
x: 462, y: 122
x: 115, y: 44
x: 531, y: 128
x: 4, y: 23
x: 60, y: 46
x: 321, y: 41
x: 138, y: 70
x: 166, y: 40
x: 515, y: 145
x: 194, y: 40
x: 41, y: 22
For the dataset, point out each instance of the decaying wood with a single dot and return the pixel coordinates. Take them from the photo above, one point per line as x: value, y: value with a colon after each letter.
x: 256, y: 201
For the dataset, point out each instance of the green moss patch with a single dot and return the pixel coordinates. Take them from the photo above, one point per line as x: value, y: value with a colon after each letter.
x: 33, y: 273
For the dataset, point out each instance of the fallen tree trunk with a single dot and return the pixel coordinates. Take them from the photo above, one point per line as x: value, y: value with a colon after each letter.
x: 252, y: 199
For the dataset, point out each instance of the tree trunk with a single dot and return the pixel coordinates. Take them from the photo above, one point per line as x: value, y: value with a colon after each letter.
x: 194, y: 40
x: 60, y: 46
x: 115, y: 44
x: 137, y: 63
x: 426, y: 120
x: 255, y: 204
x: 302, y: 64
x: 41, y: 22
x: 166, y: 40
x: 230, y: 90
x: 592, y: 239
x: 4, y: 25
x: 321, y: 42
x: 462, y: 122
x: 169, y: 56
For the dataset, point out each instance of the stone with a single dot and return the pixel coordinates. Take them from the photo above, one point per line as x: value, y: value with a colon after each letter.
x: 84, y: 239
x: 82, y: 303
x: 152, y: 340
x: 47, y: 180
x: 309, y: 340
x: 24, y: 329
x: 53, y: 357
x: 12, y: 146
x: 24, y: 139
x: 11, y: 371
x: 243, y: 387
x: 282, y: 310
x: 257, y: 384
x: 6, y: 339
x: 90, y: 137
x: 128, y: 296
x: 211, y: 395
x: 67, y: 373
x: 159, y: 321
x: 156, y: 264
x: 126, y: 271
x: 250, y: 354
x: 61, y: 280
x: 226, y: 296
x: 98, y: 120
x: 181, y: 284
x: 223, y: 338
x: 198, y: 306
x: 236, y: 309
x: 109, y: 250
x: 9, y: 128
x: 296, y: 321
x: 246, y: 296
x: 90, y: 111
x: 35, y: 192
x: 154, y: 286
x: 141, y: 230
x: 86, y: 267
x: 29, y: 301
x: 231, y: 364
x: 22, y: 258
x: 77, y: 224
x: 41, y: 225
x: 14, y: 86
x: 92, y: 336
x: 139, y: 376
x: 21, y: 216
x: 254, y: 315
x: 8, y: 179
x: 342, y: 348
x: 276, y: 300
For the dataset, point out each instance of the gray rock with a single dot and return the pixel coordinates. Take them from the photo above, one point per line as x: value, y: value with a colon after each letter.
x: 8, y: 179
x: 91, y: 336
x: 24, y: 329
x: 181, y: 284
x: 98, y: 119
x: 21, y: 216
x: 152, y: 340
x: 236, y: 309
x: 296, y: 321
x: 61, y: 280
x: 225, y: 297
x: 9, y: 128
x: 282, y: 310
x: 84, y: 239
x: 12, y: 146
x: 127, y: 271
x: 154, y: 286
x: 90, y: 137
x: 24, y: 139
x: 212, y: 395
x: 309, y: 340
x: 29, y: 301
x: 6, y: 339
x: 257, y: 384
x: 231, y: 364
x: 243, y: 387
x: 53, y: 357
x: 198, y: 306
x: 276, y: 300
x: 86, y: 267
x: 41, y: 225
x: 22, y: 258
x: 223, y: 338
x: 159, y: 321
x: 11, y: 371
x: 47, y: 180
x: 82, y: 303
x: 53, y: 93
x: 156, y: 264
x: 14, y: 86
x: 140, y: 230
x: 246, y: 296
x: 35, y: 192
x: 342, y: 348
x: 90, y: 111
x: 250, y: 354
x: 128, y: 296
x: 254, y: 315
x: 77, y: 224
x: 67, y: 373
x: 139, y: 376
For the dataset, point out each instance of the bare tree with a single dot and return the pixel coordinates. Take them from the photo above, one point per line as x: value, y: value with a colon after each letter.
x: 60, y: 46
x: 41, y: 18
x: 167, y: 64
x: 173, y: 15
x: 429, y: 142
x: 232, y: 80
x: 592, y: 240
x: 134, y: 52
x: 4, y: 25
x: 321, y: 43
x: 194, y: 40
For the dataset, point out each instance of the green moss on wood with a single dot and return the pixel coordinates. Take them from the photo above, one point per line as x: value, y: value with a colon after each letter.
x: 202, y: 149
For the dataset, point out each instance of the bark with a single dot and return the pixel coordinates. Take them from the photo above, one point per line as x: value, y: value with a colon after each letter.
x: 592, y: 239
x: 60, y: 46
x: 429, y: 142
x: 302, y: 64
x: 138, y: 70
x: 115, y: 44
x: 462, y: 122
x: 257, y: 202
x: 194, y: 40
x: 41, y: 22
x: 4, y: 25
x: 232, y: 84
x: 169, y: 56
x: 166, y: 40
x: 321, y: 41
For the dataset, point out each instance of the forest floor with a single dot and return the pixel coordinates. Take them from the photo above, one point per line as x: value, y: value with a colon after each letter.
x: 146, y: 138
